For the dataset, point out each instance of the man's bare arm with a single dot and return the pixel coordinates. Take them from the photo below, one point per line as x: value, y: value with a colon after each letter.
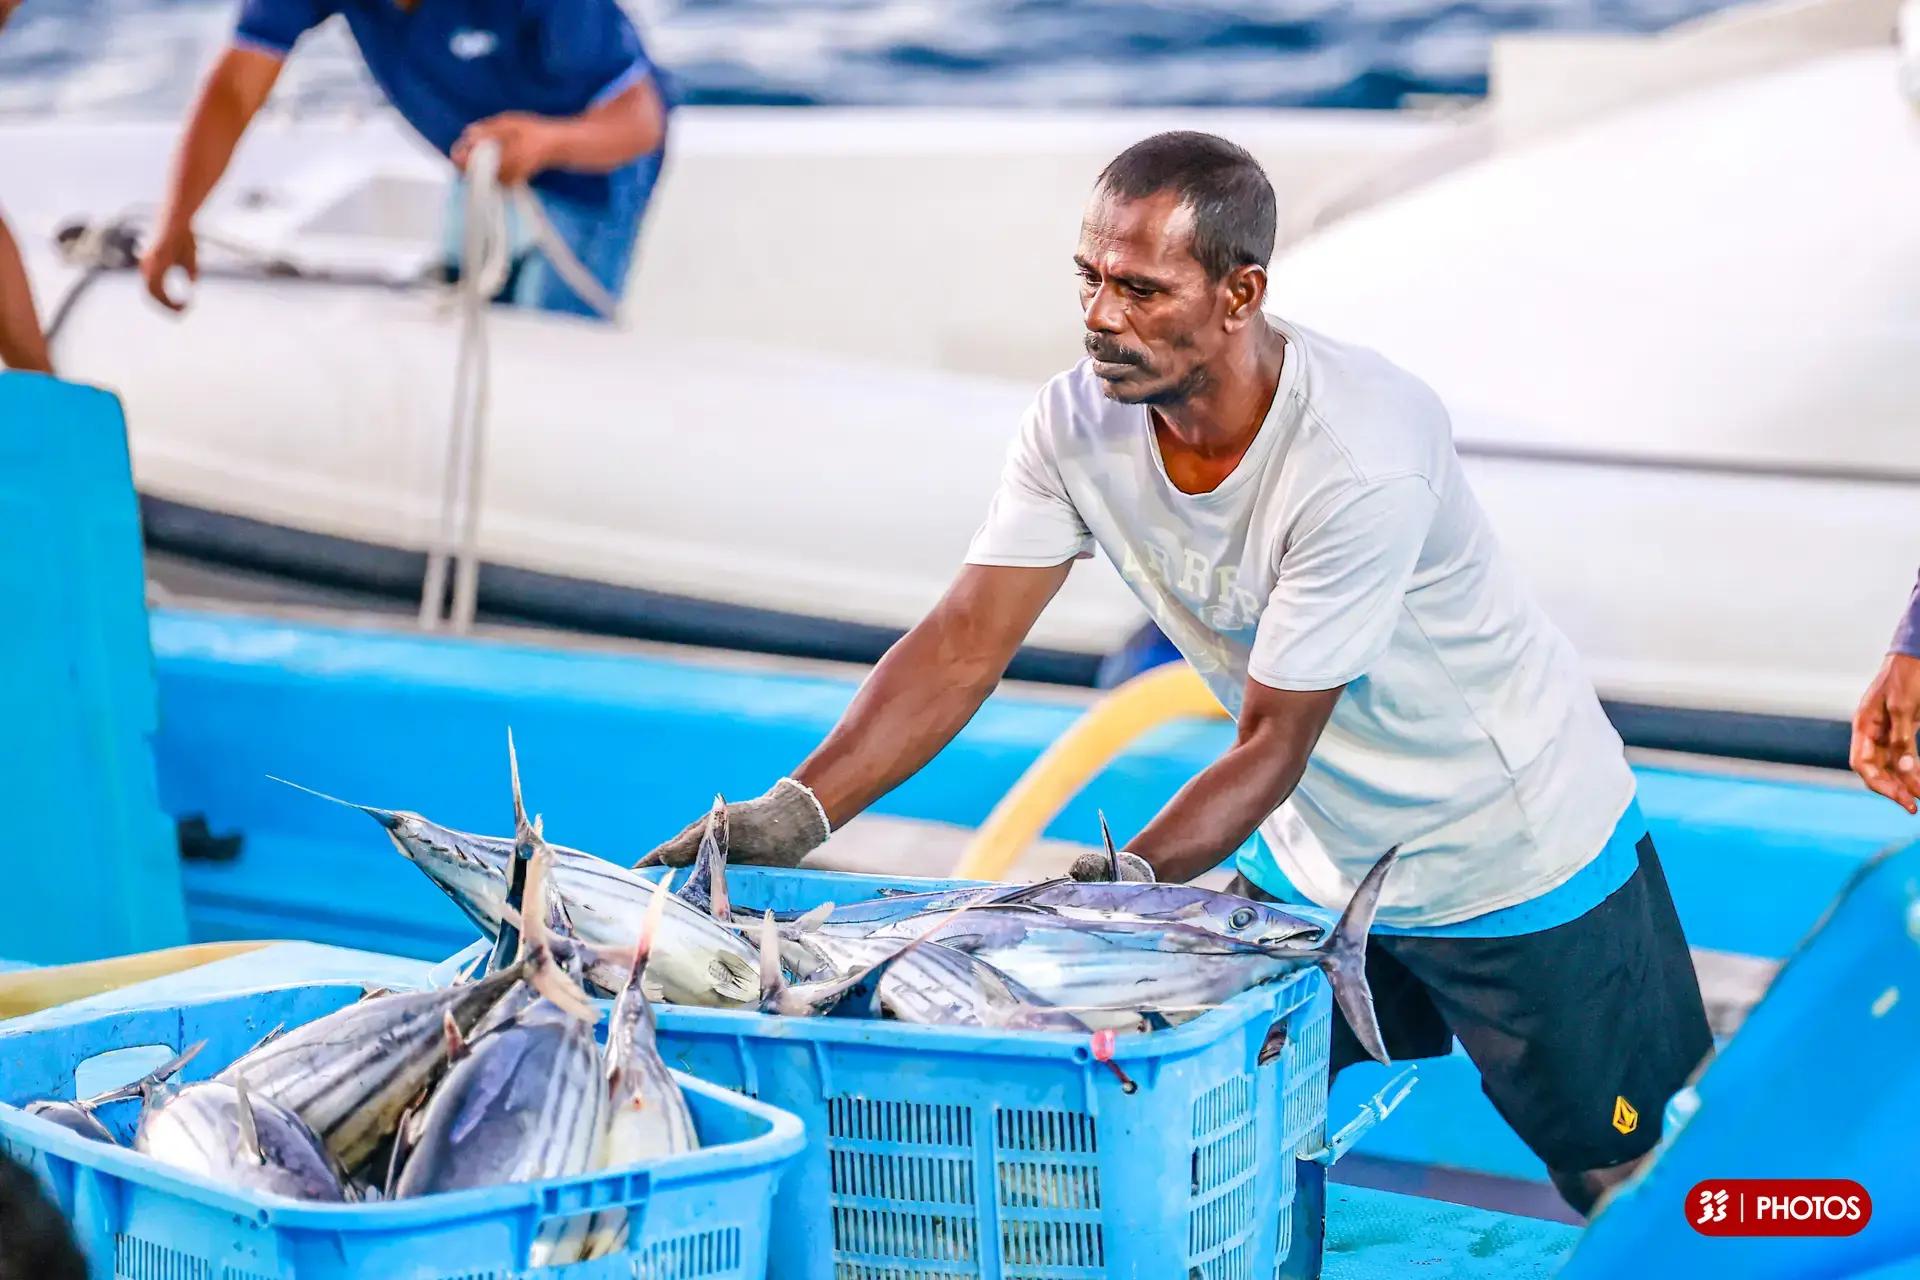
x: 928, y: 686
x: 911, y: 705
x: 618, y: 131
x: 1215, y: 813
x: 234, y: 90
x: 22, y: 345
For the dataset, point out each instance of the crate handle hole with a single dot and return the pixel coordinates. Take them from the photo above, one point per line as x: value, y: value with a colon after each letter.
x: 115, y: 1067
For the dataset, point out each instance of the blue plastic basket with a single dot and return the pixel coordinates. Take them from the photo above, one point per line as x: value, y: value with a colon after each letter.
x: 937, y: 1153
x: 701, y: 1216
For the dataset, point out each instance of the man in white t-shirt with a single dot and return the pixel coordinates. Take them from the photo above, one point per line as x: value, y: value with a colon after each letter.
x: 1291, y: 511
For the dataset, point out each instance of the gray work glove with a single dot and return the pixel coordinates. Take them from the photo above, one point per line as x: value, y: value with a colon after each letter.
x: 776, y: 830
x: 1099, y: 867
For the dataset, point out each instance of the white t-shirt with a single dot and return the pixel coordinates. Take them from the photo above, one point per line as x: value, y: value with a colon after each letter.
x: 1345, y: 549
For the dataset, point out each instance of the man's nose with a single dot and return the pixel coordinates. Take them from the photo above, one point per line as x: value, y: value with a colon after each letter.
x: 1103, y: 312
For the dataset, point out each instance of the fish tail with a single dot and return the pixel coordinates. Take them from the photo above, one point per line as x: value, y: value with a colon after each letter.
x: 1343, y: 954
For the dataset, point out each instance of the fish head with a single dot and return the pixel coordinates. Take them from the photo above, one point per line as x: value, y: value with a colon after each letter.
x: 472, y: 870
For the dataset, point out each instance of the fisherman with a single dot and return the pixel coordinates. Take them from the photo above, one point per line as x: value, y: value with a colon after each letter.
x: 1884, y: 752
x: 1291, y: 511
x: 563, y: 86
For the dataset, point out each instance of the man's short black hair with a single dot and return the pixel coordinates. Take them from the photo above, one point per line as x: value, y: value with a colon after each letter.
x: 1224, y: 186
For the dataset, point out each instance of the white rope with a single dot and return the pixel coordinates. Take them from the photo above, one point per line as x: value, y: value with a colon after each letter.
x: 486, y: 256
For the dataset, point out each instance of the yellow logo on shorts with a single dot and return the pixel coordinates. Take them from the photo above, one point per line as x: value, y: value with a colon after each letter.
x: 1625, y: 1118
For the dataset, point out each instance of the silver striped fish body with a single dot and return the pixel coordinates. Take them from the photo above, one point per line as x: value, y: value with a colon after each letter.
x: 938, y: 985
x: 527, y: 1102
x: 1226, y: 914
x: 898, y: 907
x: 647, y: 1115
x: 198, y: 1129
x: 1121, y: 964
x: 351, y: 1074
x: 697, y: 960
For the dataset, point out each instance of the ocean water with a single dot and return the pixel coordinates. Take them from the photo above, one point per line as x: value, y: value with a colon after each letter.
x: 122, y: 58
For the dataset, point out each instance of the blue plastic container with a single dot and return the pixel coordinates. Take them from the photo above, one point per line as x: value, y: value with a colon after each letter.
x: 937, y: 1153
x: 702, y: 1216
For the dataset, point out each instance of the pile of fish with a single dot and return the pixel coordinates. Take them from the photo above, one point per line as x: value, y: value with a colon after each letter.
x: 1062, y: 955
x: 496, y: 1079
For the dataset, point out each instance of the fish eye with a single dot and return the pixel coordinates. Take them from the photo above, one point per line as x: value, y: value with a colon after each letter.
x: 1241, y: 917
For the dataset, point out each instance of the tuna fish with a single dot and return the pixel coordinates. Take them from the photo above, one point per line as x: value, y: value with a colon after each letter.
x: 647, y: 1115
x: 217, y: 1130
x: 1145, y: 965
x: 527, y: 1100
x: 78, y: 1117
x: 698, y: 960
x: 351, y: 1074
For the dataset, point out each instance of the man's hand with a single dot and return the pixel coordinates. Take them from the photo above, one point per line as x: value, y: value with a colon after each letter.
x: 777, y: 830
x: 529, y: 144
x: 170, y: 248
x: 1884, y: 754
x: 1097, y: 867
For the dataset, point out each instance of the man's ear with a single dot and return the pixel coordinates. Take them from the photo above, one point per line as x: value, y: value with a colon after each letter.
x: 1246, y: 291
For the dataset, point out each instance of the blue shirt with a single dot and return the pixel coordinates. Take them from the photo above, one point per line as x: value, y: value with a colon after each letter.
x: 1906, y: 637
x: 448, y: 63
x: 1586, y: 889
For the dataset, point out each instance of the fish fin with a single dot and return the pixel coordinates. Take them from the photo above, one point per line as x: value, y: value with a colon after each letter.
x: 456, y: 1043
x: 717, y: 900
x: 249, y: 1130
x: 1343, y: 954
x: 388, y: 818
x: 546, y: 974
x: 402, y: 1146
x: 813, y: 919
x: 146, y: 1084
x: 508, y: 944
x: 772, y: 980
x: 521, y: 827
x: 1113, y: 854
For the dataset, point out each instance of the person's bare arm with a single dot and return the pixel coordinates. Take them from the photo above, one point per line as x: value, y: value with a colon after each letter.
x: 618, y: 131
x: 921, y: 694
x: 22, y: 345
x: 233, y: 91
x: 1214, y: 814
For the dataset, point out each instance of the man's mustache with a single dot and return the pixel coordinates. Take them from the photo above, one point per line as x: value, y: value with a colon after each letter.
x: 1109, y: 352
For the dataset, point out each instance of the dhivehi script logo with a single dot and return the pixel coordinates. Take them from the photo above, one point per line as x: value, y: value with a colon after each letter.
x: 468, y: 44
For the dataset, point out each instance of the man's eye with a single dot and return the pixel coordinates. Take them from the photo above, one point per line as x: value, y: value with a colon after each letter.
x: 1137, y: 293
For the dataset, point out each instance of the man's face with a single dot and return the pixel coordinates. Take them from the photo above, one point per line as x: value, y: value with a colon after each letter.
x: 1154, y: 319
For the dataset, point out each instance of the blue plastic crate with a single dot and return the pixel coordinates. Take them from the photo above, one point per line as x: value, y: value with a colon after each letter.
x: 701, y: 1216
x: 935, y: 1154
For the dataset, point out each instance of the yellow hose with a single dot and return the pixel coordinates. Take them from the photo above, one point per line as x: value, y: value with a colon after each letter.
x: 1110, y: 726
x: 31, y: 990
